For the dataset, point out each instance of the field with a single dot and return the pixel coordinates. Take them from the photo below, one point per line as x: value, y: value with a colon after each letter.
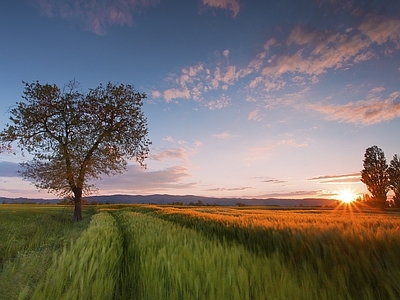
x: 166, y: 252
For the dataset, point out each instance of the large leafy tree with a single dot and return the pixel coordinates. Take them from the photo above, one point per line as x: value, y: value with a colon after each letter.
x: 374, y: 174
x: 73, y: 137
x: 394, y: 178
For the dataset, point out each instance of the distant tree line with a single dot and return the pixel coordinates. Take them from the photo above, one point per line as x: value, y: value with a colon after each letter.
x: 380, y: 177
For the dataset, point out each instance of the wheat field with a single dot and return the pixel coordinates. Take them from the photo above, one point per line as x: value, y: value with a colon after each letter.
x: 171, y: 252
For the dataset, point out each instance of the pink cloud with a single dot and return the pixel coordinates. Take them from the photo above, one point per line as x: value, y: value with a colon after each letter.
x: 168, y: 138
x: 222, y: 102
x: 380, y: 29
x: 266, y: 152
x: 230, y: 189
x: 343, y: 178
x: 309, y: 53
x: 232, y: 5
x: 179, y: 153
x: 171, y: 94
x: 365, y: 112
x: 137, y: 180
x: 254, y: 116
x: 225, y: 135
x: 94, y: 15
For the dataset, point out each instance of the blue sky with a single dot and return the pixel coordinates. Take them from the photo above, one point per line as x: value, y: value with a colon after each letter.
x: 244, y: 98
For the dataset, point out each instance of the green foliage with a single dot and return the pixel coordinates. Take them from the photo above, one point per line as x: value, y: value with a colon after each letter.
x: 374, y: 174
x: 394, y: 178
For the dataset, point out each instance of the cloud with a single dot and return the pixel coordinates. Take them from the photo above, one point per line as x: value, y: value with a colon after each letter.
x: 232, y: 5
x: 173, y: 93
x: 225, y: 135
x: 310, y: 53
x: 179, y: 153
x: 343, y: 178
x: 380, y: 29
x: 156, y: 94
x: 294, y: 194
x: 254, y: 115
x: 364, y: 112
x: 271, y: 180
x: 194, y: 81
x: 373, y: 92
x: 168, y: 138
x: 94, y: 15
x: 220, y: 103
x: 137, y: 180
x: 9, y: 169
x: 265, y: 152
x: 296, y: 60
x: 230, y: 189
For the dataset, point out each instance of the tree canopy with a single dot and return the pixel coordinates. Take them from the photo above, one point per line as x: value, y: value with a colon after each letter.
x: 374, y: 174
x: 75, y: 137
x: 394, y: 178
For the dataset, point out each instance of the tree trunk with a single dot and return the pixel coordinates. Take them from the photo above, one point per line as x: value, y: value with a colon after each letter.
x: 78, y: 205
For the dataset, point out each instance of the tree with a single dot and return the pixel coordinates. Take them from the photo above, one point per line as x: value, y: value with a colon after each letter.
x: 374, y: 174
x: 75, y: 137
x: 394, y: 179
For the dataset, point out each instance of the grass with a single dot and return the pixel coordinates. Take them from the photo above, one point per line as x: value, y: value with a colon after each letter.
x: 29, y: 235
x: 161, y: 252
x: 88, y: 268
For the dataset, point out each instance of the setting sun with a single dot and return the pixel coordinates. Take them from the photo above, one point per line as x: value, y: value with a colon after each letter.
x: 346, y: 196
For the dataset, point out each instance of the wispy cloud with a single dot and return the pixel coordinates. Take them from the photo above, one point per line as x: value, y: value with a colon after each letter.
x: 265, y: 152
x: 232, y: 5
x: 269, y: 180
x: 229, y: 189
x: 363, y: 112
x: 195, y: 81
x: 297, y: 194
x: 254, y: 115
x: 381, y: 30
x: 222, y: 102
x: 137, y: 180
x: 179, y: 153
x: 168, y: 138
x: 94, y: 15
x: 307, y: 53
x: 343, y: 178
x: 181, y: 150
x: 225, y: 135
x: 294, y: 63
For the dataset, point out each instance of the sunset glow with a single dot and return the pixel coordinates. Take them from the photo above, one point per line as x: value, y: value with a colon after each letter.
x: 245, y: 99
x: 347, y: 196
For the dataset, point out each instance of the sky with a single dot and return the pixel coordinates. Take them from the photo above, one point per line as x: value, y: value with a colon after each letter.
x: 245, y: 98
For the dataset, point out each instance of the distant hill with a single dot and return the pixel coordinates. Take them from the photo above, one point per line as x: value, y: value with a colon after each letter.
x: 187, y: 199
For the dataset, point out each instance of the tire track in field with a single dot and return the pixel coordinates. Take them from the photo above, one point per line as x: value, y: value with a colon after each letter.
x: 127, y: 285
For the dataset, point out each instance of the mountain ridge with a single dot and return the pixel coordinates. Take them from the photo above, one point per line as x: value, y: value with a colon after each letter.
x: 181, y: 199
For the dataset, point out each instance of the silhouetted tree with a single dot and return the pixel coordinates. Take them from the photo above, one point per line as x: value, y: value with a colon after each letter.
x: 74, y: 137
x: 374, y: 174
x: 394, y: 179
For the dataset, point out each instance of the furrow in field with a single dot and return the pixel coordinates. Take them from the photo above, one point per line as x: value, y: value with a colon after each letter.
x: 89, y: 268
